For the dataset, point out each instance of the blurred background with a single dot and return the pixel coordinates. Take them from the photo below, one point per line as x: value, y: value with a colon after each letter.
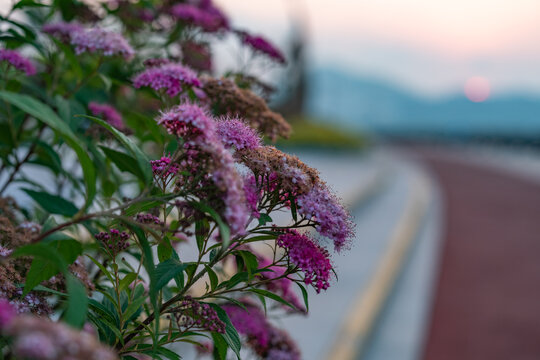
x: 425, y: 116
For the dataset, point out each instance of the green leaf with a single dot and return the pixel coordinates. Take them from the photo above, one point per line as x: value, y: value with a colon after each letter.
x: 45, y: 267
x: 212, y: 276
x: 264, y: 218
x: 201, y: 231
x: 102, y: 268
x: 75, y: 314
x: 220, y: 346
x: 45, y: 114
x: 53, y: 204
x: 250, y: 261
x: 168, y: 270
x: 164, y: 250
x: 142, y: 160
x: 134, y: 307
x: 124, y: 162
x: 272, y: 296
x: 231, y: 335
x: 235, y: 280
x: 304, y: 295
x: 28, y: 3
x: 128, y: 279
x: 224, y: 230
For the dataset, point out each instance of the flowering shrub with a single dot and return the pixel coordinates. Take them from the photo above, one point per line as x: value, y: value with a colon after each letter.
x: 137, y: 189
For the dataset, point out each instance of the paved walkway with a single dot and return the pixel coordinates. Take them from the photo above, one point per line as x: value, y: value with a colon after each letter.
x: 487, y: 303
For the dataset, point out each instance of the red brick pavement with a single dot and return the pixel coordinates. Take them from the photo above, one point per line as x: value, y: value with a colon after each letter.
x: 487, y: 300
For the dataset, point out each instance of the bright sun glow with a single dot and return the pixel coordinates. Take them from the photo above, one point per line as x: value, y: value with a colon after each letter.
x: 477, y: 89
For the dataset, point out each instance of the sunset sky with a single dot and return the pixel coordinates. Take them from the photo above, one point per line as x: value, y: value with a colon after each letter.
x: 431, y: 47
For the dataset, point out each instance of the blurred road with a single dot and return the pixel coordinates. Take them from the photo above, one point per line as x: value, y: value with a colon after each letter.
x: 368, y: 271
x: 487, y: 303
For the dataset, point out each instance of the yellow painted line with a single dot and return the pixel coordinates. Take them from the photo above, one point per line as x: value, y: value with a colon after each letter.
x: 362, y: 317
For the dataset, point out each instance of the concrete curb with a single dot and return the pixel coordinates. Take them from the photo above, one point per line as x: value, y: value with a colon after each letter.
x: 358, y: 326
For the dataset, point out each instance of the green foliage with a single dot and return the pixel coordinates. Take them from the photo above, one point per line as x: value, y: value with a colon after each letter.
x: 315, y: 134
x: 108, y: 228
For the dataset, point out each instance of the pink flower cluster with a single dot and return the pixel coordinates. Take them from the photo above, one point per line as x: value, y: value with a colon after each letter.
x: 114, y: 241
x: 252, y: 194
x: 30, y: 303
x: 235, y: 133
x: 7, y: 313
x: 163, y: 168
x: 194, y: 314
x: 109, y: 114
x: 265, y: 339
x: 333, y: 221
x: 204, y: 15
x: 261, y: 45
x: 16, y: 60
x: 41, y: 339
x: 62, y: 30
x: 203, y: 146
x: 172, y: 77
x: 310, y: 258
x: 147, y: 219
x: 228, y: 181
x: 92, y: 40
x: 188, y: 121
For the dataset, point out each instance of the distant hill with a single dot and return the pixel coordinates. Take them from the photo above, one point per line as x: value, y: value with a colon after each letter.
x: 378, y: 107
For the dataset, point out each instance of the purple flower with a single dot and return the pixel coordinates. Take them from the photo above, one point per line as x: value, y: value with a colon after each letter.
x: 250, y: 322
x: 7, y: 313
x: 197, y: 55
x: 188, y: 121
x: 206, y: 154
x: 163, y: 167
x: 228, y: 181
x: 310, y: 258
x: 147, y: 219
x: 209, y: 18
x: 35, y: 345
x: 16, y: 60
x: 113, y: 241
x: 93, y: 40
x: 172, y: 77
x: 4, y: 251
x: 265, y: 339
x: 192, y: 313
x: 235, y: 133
x: 260, y: 44
x: 97, y: 40
x: 252, y: 194
x: 323, y: 207
x: 41, y: 339
x: 62, y: 30
x: 109, y: 114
